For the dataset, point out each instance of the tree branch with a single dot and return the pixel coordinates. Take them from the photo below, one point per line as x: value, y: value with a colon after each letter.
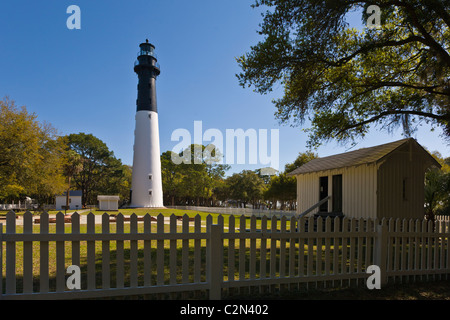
x: 429, y: 89
x: 369, y: 47
x: 428, y: 39
x: 445, y: 117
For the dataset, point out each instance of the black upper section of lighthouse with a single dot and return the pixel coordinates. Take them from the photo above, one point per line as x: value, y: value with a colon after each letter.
x: 147, y: 69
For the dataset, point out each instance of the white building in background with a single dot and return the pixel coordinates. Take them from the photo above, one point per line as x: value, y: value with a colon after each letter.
x: 74, y: 200
x: 108, y: 203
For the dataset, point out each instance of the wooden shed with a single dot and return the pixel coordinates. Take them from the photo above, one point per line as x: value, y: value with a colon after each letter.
x: 376, y: 182
x: 74, y: 200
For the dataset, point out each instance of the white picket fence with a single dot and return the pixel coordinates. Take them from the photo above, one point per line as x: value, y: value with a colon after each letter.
x: 180, y: 255
x: 238, y: 211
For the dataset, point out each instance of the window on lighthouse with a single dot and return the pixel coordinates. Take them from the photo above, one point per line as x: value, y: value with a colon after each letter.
x: 149, y: 192
x: 150, y: 177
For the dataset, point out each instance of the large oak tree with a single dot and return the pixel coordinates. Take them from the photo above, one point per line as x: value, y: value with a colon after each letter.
x: 345, y: 80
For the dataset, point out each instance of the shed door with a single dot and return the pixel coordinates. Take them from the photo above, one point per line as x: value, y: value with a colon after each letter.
x: 323, y: 193
x: 337, y: 193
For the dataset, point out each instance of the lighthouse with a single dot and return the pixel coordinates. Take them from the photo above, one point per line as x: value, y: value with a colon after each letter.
x: 146, y: 185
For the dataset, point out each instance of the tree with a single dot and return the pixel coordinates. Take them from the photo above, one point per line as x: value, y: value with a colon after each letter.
x: 302, y: 158
x: 245, y: 187
x: 347, y: 80
x: 31, y: 162
x: 283, y: 188
x: 101, y: 172
x: 73, y: 166
x: 437, y: 188
x: 193, y: 181
x: 171, y: 177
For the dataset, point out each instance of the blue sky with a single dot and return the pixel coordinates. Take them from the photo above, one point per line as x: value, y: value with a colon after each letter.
x: 83, y: 80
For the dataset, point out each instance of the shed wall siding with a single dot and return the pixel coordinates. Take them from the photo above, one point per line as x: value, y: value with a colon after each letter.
x: 359, y: 185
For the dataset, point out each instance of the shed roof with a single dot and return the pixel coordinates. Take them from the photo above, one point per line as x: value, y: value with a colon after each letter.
x: 353, y: 158
x: 107, y: 198
x: 72, y: 193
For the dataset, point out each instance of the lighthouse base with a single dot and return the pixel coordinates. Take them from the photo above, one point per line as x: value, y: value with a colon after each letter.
x: 146, y: 183
x: 138, y: 207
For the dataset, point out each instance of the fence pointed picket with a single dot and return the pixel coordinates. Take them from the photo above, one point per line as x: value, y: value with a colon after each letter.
x: 436, y: 248
x: 345, y: 228
x: 120, y: 268
x: 160, y: 251
x: 106, y: 255
x: 336, y: 250
x: 252, y: 248
x: 327, y: 245
x: 416, y: 263
x: 44, y: 254
x: 282, y: 266
x: 173, y: 251
x: 10, y: 254
x: 403, y: 240
x: 360, y: 254
x: 28, y: 254
x: 220, y: 221
x: 391, y: 243
x: 197, y: 249
x: 133, y: 252
x: 310, y: 246
x: 301, y: 221
x: 353, y: 229
x: 292, y: 239
x: 441, y: 242
x: 273, y: 247
x: 147, y: 251
x: 60, y: 255
x: 90, y: 251
x: 209, y: 221
x: 185, y: 250
x: 242, y: 249
x: 231, y: 248
x: 319, y: 239
x: 75, y: 221
x: 410, y: 245
x: 397, y: 246
x: 263, y: 269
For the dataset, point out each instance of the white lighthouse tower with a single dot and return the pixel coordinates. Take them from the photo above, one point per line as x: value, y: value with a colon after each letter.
x: 146, y: 185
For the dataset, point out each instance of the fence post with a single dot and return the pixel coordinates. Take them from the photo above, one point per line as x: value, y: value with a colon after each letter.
x: 381, y: 248
x: 215, y: 264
